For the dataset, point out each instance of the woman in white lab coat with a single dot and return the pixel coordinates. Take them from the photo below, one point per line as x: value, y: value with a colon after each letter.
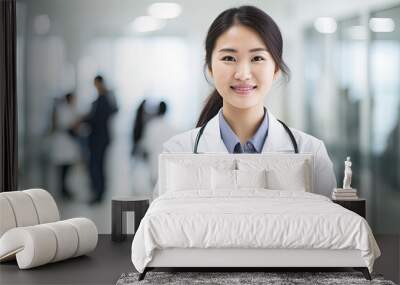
x: 243, y: 58
x: 65, y: 150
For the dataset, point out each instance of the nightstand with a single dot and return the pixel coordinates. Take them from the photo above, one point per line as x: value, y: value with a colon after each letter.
x: 357, y: 206
x: 121, y: 205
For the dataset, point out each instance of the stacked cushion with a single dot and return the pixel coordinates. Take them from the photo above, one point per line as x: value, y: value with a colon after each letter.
x: 26, y: 208
x: 41, y: 244
x: 31, y: 232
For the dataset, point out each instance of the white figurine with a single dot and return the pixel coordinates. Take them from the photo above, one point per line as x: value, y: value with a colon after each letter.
x: 347, y: 174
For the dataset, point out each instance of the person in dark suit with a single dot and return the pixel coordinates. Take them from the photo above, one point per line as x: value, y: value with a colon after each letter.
x: 99, y: 136
x: 138, y: 127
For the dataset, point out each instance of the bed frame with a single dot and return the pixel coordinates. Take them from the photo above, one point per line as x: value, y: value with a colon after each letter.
x: 246, y: 259
x: 242, y: 259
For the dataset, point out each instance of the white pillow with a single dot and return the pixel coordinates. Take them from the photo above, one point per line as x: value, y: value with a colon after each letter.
x: 293, y: 177
x: 223, y: 179
x: 236, y: 179
x: 188, y: 177
x: 281, y: 174
x: 251, y: 178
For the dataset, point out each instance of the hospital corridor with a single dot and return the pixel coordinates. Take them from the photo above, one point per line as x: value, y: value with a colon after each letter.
x: 102, y: 87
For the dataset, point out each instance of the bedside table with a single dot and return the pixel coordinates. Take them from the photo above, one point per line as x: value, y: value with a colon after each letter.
x: 357, y: 206
x: 119, y: 207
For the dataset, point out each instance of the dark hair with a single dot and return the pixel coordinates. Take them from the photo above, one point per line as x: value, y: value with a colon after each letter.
x: 139, y: 123
x: 69, y: 96
x: 255, y: 19
x: 99, y: 78
x: 162, y: 108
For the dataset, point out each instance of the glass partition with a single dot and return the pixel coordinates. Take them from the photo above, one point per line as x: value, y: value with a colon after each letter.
x: 384, y: 72
x: 352, y: 85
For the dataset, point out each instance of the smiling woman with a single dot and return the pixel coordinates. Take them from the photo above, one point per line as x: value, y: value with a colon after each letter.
x: 242, y: 68
x: 244, y: 57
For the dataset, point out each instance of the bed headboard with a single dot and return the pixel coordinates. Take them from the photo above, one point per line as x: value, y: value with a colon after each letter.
x: 282, y: 163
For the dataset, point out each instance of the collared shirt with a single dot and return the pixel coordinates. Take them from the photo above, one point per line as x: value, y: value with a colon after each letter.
x: 232, y: 142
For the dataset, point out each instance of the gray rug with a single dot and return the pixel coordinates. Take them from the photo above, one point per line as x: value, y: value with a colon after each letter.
x: 228, y: 278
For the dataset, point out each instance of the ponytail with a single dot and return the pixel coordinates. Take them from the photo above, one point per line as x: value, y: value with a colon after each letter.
x: 211, y: 108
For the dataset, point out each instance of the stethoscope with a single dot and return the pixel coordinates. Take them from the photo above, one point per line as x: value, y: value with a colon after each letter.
x: 289, y: 132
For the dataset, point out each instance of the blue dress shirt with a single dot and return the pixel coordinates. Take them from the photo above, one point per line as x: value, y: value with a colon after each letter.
x: 232, y: 142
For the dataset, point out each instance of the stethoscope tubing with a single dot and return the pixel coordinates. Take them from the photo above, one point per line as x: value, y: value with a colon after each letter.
x: 289, y: 132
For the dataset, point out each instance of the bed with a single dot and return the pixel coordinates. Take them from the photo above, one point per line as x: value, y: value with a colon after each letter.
x: 246, y: 210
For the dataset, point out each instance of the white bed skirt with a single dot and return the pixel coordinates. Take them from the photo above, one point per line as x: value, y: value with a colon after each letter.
x: 193, y: 257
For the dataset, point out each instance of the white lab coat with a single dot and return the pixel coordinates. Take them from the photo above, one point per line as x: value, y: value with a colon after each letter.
x: 157, y: 131
x: 277, y: 140
x: 64, y: 148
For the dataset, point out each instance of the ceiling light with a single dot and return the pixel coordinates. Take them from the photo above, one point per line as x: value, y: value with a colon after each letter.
x: 146, y: 24
x: 381, y: 25
x: 325, y: 25
x: 164, y: 10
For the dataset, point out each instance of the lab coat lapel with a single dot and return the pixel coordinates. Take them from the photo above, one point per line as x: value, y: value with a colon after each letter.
x: 211, y: 140
x: 278, y: 139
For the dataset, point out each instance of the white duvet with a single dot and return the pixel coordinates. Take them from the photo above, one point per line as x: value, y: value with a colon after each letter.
x: 251, y: 218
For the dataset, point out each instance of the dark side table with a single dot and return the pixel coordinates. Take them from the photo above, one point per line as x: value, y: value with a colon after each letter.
x: 358, y: 206
x: 122, y: 204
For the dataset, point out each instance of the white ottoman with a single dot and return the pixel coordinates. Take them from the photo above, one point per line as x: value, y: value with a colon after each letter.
x: 31, y: 233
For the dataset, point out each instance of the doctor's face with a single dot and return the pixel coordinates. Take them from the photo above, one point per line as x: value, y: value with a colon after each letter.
x: 242, y: 68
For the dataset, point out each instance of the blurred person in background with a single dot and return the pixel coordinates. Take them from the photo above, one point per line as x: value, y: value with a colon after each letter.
x: 99, y: 139
x: 138, y: 127
x: 157, y: 131
x: 391, y: 157
x: 140, y: 164
x: 147, y: 111
x: 65, y: 151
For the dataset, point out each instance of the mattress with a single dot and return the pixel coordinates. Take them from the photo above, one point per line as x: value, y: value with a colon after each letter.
x: 250, y: 219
